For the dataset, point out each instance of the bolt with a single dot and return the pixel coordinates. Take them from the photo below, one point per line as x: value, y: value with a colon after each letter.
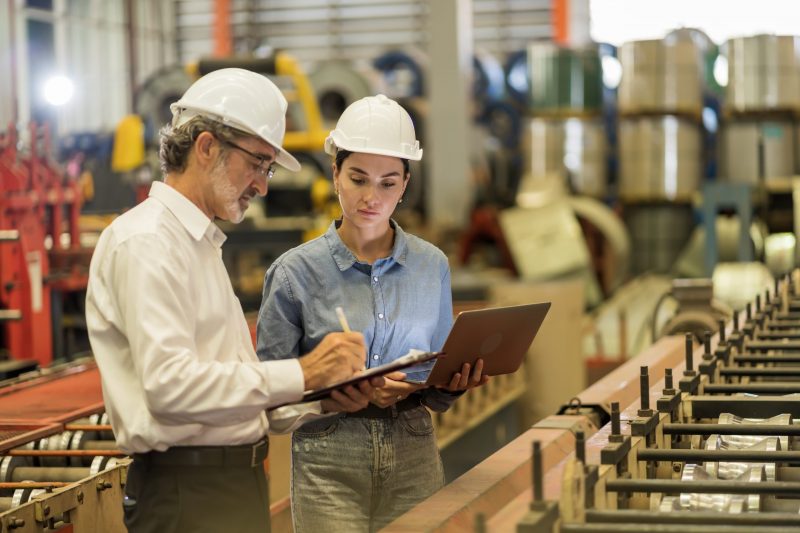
x: 736, y: 320
x: 80, y: 496
x: 14, y: 523
x: 103, y: 485
x: 721, y: 331
x: 676, y: 467
x: 644, y: 388
x: 667, y: 378
x: 46, y: 510
x: 538, y: 475
x: 689, y: 350
x: 615, y: 426
x: 707, y: 342
x: 580, y: 447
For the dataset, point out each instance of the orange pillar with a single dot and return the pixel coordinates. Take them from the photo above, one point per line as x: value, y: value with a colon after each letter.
x: 223, y: 41
x: 560, y: 18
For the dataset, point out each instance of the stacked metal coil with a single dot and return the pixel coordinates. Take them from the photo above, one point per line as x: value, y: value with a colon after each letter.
x: 763, y: 73
x: 564, y: 134
x: 661, y: 76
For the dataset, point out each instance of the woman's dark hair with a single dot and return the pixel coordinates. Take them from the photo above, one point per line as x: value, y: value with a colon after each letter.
x: 341, y: 155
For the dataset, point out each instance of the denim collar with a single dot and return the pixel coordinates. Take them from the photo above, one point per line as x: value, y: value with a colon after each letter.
x: 345, y: 259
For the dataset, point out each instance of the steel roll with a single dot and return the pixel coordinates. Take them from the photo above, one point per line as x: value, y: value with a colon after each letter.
x: 756, y: 151
x: 660, y: 158
x: 662, y: 76
x: 574, y: 148
x: 763, y: 73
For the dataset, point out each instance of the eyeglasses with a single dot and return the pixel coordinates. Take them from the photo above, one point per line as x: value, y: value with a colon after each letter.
x: 267, y: 171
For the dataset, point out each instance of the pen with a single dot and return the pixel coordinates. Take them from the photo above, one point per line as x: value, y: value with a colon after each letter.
x: 342, y: 320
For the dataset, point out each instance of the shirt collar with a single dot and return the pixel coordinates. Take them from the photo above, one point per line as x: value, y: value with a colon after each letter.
x: 196, y: 223
x: 345, y: 258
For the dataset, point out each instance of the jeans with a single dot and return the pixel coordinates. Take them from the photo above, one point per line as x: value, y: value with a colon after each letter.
x: 359, y: 474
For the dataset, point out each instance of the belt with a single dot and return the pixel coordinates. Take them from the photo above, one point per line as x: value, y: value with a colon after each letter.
x: 250, y: 455
x: 373, y: 411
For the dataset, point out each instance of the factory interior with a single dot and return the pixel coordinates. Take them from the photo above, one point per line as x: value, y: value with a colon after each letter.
x: 633, y: 162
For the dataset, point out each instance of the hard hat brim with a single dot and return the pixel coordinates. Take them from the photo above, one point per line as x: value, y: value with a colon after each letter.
x: 286, y: 160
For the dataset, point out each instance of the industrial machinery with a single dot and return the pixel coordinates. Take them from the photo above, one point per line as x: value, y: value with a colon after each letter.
x: 41, y: 258
x: 59, y: 466
x: 710, y: 447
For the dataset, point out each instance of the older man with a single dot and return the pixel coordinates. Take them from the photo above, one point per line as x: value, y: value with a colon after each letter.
x: 184, y: 391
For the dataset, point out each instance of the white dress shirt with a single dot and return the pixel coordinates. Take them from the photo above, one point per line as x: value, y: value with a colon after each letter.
x: 176, y: 359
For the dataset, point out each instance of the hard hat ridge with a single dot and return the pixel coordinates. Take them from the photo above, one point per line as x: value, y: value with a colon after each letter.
x: 242, y: 100
x: 375, y: 125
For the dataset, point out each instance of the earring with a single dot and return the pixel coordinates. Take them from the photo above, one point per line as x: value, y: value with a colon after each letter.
x: 400, y: 201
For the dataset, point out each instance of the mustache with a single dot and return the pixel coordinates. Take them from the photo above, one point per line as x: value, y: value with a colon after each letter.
x: 249, y: 194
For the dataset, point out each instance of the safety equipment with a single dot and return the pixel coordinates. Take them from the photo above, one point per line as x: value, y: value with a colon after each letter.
x: 242, y: 100
x: 375, y: 125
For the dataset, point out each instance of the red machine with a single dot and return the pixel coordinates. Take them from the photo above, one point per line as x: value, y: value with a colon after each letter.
x: 39, y: 207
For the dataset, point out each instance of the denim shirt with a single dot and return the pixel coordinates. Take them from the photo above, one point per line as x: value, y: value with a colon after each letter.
x: 400, y: 302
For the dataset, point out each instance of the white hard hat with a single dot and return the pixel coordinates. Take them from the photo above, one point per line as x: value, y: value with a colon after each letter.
x: 375, y: 125
x: 243, y: 100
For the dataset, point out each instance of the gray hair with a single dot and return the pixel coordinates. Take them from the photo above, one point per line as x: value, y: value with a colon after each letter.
x: 177, y: 142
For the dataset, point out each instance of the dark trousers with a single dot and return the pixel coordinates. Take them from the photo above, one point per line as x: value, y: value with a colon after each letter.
x: 196, y: 499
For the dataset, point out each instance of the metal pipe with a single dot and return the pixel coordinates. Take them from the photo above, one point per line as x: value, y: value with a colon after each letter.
x: 677, y: 486
x: 66, y: 453
x: 87, y: 427
x: 754, y: 388
x: 46, y: 474
x: 764, y: 346
x: 782, y: 371
x: 694, y: 456
x: 730, y: 429
x: 696, y: 517
x: 761, y: 358
x: 32, y: 484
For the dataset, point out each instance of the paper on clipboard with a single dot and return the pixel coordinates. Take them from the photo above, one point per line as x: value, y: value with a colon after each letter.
x: 413, y: 357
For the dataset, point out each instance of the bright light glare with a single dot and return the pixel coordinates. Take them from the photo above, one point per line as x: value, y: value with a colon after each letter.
x: 721, y: 71
x: 612, y: 71
x: 58, y: 90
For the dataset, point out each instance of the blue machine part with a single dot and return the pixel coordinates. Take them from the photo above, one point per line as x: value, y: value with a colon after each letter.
x: 517, y: 77
x: 488, y: 78
x: 503, y: 121
x: 394, y: 61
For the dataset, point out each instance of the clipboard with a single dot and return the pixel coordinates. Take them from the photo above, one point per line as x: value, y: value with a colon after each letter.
x: 413, y: 357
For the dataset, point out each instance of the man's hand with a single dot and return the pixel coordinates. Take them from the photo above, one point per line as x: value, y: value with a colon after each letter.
x: 337, y: 357
x: 394, y: 390
x: 463, y: 380
x: 351, y: 398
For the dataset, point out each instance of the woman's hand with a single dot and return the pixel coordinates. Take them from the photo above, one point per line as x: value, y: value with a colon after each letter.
x: 465, y: 380
x: 352, y: 398
x: 393, y: 390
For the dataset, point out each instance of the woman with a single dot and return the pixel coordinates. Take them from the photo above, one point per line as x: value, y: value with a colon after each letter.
x: 358, y: 472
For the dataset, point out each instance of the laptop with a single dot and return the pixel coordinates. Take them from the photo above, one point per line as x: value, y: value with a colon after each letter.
x: 500, y: 336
